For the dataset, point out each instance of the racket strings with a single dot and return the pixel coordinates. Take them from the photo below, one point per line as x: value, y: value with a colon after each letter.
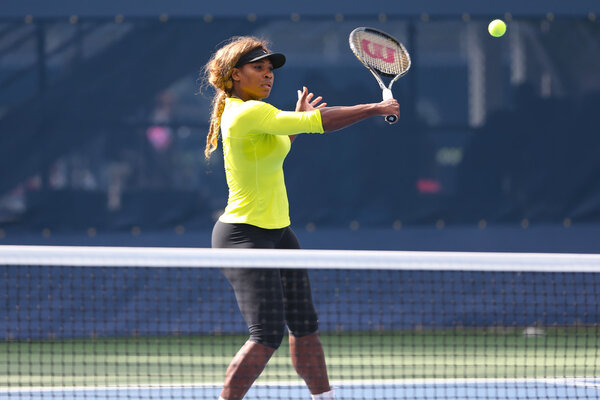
x: 381, y: 53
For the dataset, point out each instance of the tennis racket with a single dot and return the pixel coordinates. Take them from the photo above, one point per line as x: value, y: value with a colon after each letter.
x: 383, y: 55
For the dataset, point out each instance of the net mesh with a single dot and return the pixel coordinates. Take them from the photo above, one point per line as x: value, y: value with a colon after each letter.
x: 133, y: 323
x: 380, y: 52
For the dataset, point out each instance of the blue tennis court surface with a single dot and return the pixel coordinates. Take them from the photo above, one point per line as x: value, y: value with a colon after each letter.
x: 481, y: 389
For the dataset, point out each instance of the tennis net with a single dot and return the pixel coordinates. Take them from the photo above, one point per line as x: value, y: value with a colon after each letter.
x: 163, y: 323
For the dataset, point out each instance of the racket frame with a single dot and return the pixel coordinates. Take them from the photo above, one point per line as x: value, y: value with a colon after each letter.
x: 385, y: 90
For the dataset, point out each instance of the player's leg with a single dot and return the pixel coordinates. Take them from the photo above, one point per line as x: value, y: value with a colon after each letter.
x: 308, y: 360
x: 244, y: 369
x: 259, y: 297
x: 260, y: 300
x: 306, y: 350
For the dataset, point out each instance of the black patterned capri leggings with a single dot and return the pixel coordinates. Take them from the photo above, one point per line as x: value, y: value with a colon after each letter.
x: 269, y: 299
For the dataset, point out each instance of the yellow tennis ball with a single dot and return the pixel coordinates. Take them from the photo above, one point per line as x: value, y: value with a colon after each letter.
x: 497, y: 28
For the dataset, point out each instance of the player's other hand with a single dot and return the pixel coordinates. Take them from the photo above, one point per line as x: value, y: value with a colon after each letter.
x: 390, y: 107
x: 306, y: 102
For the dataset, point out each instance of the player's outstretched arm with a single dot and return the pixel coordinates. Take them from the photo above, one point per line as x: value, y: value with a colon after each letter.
x: 335, y: 118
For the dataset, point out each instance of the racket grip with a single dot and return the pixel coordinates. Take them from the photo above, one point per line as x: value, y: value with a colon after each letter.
x: 387, y: 94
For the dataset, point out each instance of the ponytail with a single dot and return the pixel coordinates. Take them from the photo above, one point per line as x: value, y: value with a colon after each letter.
x: 212, y: 139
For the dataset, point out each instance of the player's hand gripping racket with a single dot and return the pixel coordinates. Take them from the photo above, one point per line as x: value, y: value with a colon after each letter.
x: 383, y: 55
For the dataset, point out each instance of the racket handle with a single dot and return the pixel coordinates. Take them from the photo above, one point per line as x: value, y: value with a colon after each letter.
x: 387, y: 94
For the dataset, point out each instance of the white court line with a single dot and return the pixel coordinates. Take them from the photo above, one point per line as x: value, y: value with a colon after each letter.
x: 588, y: 383
x: 571, y: 381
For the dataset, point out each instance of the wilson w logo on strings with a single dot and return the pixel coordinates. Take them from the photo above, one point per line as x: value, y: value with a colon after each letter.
x: 376, y: 50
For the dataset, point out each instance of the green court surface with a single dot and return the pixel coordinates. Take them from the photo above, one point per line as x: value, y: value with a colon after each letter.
x: 394, y: 356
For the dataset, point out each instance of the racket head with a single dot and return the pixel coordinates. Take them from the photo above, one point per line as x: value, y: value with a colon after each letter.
x: 379, y: 51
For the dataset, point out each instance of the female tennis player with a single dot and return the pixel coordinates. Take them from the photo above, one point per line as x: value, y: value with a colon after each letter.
x: 256, y: 138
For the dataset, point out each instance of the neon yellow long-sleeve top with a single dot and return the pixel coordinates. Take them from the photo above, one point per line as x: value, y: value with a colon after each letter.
x: 255, y: 144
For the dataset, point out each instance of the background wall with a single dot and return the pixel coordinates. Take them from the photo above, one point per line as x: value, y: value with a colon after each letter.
x: 103, y: 122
